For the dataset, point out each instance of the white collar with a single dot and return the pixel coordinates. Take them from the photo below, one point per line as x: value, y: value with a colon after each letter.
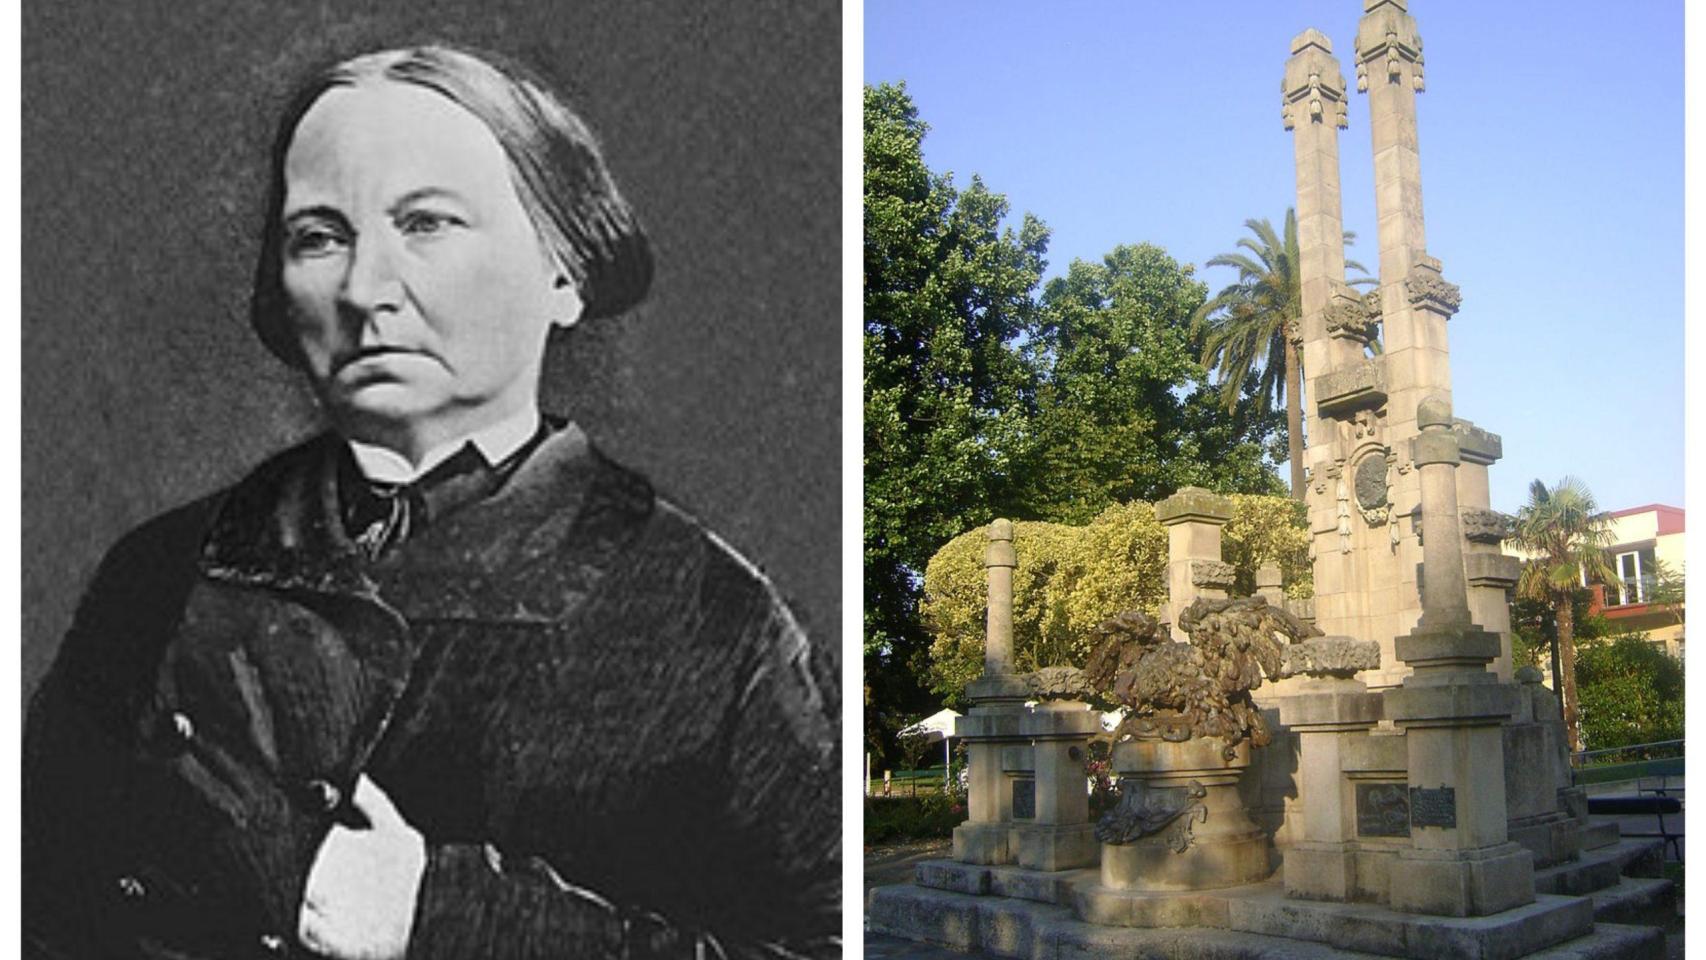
x: 495, y: 443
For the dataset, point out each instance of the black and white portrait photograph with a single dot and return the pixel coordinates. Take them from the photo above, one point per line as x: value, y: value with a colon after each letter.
x: 431, y: 501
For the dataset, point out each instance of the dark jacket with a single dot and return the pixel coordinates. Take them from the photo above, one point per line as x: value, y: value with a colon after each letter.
x: 612, y: 734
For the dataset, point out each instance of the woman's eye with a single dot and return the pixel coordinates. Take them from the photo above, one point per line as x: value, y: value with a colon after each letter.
x: 314, y: 241
x: 426, y: 223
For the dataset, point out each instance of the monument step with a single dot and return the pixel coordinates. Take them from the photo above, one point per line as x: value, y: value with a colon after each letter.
x: 1640, y: 900
x: 1029, y: 930
x: 1601, y: 868
x: 1601, y: 833
x: 1001, y: 881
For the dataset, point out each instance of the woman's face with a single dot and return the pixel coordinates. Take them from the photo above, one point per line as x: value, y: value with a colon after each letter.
x: 419, y: 290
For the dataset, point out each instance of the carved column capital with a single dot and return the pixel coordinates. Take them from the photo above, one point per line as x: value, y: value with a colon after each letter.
x: 1426, y: 288
x: 1313, y: 90
x: 1388, y: 48
x: 1353, y: 317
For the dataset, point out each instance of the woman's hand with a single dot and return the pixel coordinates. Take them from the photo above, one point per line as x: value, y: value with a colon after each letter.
x: 360, y: 900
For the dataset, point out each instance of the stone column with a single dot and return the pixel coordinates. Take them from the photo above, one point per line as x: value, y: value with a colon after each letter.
x: 992, y: 722
x: 1313, y: 109
x: 1460, y: 861
x: 1193, y: 518
x: 1328, y: 708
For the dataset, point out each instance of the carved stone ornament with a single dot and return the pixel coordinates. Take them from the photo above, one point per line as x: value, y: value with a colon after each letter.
x: 1371, y: 489
x: 1354, y: 318
x: 1486, y: 526
x: 1058, y: 683
x: 1313, y: 88
x: 1212, y: 573
x: 1329, y: 657
x: 1387, y: 43
x: 1426, y: 288
x: 1179, y: 691
x: 1144, y: 810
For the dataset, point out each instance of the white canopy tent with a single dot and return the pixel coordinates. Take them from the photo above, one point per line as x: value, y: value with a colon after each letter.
x: 937, y: 726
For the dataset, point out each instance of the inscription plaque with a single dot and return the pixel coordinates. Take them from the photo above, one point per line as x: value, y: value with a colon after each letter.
x: 1024, y: 799
x: 1433, y: 807
x: 1383, y: 810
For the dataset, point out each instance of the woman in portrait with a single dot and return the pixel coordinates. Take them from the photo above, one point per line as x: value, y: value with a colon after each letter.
x: 442, y: 681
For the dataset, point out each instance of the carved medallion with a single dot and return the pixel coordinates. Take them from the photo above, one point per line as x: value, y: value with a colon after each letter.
x: 1371, y: 489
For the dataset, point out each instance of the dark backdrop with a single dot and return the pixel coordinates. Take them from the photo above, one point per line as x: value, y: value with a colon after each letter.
x: 144, y: 133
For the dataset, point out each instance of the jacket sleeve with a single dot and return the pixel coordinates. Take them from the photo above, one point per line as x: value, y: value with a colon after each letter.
x: 781, y: 899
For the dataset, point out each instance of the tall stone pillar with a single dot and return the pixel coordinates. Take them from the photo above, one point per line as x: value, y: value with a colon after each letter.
x: 1460, y: 862
x: 1193, y: 518
x: 993, y: 721
x: 1313, y: 109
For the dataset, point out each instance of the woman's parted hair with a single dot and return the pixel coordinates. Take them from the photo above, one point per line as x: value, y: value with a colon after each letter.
x: 554, y: 160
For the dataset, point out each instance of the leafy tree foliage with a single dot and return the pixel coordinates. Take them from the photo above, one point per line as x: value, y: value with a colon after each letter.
x: 1124, y: 410
x: 948, y: 296
x: 1070, y: 578
x: 985, y: 398
x: 1631, y: 692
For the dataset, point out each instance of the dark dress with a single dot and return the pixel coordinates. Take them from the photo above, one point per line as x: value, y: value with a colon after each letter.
x: 613, y: 736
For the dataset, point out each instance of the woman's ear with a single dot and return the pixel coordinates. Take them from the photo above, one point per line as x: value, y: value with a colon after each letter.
x: 566, y: 303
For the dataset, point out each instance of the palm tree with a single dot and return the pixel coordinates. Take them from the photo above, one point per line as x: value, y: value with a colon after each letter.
x: 1253, y: 326
x: 1564, y: 532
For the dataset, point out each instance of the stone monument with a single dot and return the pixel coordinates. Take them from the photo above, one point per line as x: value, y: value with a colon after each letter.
x: 1424, y: 801
x: 1363, y: 490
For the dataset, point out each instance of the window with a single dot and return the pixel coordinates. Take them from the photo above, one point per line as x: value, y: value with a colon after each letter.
x: 1635, y: 569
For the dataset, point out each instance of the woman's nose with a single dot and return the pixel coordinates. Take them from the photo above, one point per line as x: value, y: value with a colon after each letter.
x: 371, y: 284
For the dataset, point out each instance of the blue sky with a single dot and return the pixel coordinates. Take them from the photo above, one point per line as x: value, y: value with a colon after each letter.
x: 1552, y: 181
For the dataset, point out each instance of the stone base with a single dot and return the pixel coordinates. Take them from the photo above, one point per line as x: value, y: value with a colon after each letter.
x: 983, y: 843
x: 1463, y: 883
x: 1241, y: 923
x: 1150, y: 864
x: 1552, y: 839
x: 1046, y: 847
x: 1321, y: 871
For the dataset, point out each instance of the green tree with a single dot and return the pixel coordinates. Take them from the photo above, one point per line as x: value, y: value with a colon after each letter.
x: 1631, y: 691
x: 948, y: 391
x: 1565, y: 534
x: 1124, y: 409
x: 1254, y: 327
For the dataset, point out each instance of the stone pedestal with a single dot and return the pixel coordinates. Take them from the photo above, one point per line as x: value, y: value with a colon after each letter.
x: 1327, y: 713
x: 1221, y: 846
x: 1060, y: 836
x: 1535, y: 763
x: 988, y: 729
x: 1193, y: 518
x: 1460, y: 861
